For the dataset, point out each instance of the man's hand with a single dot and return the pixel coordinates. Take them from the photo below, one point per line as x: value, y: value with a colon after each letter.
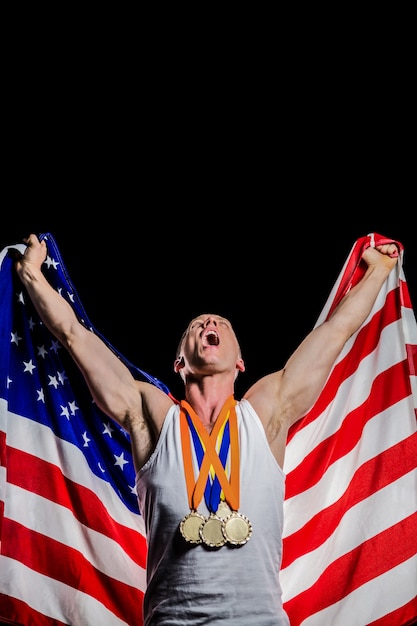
x: 34, y: 255
x: 384, y: 255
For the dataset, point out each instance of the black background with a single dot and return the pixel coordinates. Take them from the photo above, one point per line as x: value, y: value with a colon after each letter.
x: 232, y: 178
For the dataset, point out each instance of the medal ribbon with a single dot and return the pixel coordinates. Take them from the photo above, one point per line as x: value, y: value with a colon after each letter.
x: 212, y: 492
x: 211, y: 460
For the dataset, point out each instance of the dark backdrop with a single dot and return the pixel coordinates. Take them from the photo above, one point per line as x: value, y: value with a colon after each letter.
x: 234, y: 181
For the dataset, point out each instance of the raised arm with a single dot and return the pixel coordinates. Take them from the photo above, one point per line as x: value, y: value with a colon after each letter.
x: 112, y: 385
x: 282, y: 398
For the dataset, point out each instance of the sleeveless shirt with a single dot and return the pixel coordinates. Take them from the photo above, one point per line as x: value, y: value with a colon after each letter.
x: 193, y: 585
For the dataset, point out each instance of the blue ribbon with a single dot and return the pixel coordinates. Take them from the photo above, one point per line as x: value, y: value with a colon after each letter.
x: 212, y: 490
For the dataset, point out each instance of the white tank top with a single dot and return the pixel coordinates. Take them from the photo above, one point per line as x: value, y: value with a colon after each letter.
x: 192, y: 585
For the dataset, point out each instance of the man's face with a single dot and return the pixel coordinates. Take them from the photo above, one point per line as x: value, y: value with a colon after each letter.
x: 210, y: 346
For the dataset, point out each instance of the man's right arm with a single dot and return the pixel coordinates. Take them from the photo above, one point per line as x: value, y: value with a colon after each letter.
x: 112, y: 385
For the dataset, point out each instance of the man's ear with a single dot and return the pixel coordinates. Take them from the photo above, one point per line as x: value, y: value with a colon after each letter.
x: 179, y: 364
x: 240, y: 365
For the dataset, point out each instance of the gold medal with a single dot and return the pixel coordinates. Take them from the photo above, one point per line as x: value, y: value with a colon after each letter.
x: 237, y: 529
x: 223, y: 510
x: 226, y: 526
x: 190, y: 527
x: 211, y: 532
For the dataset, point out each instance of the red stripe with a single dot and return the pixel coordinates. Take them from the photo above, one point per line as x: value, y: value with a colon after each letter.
x: 383, y: 395
x: 412, y: 358
x: 373, y: 475
x: 404, y: 616
x: 2, y: 464
x: 405, y: 295
x: 2, y: 449
x: 356, y: 568
x: 61, y: 562
x: 19, y: 613
x: 33, y: 474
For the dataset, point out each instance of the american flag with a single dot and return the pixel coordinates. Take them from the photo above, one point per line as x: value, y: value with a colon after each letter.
x: 73, y: 549
x: 73, y: 546
x: 350, y: 512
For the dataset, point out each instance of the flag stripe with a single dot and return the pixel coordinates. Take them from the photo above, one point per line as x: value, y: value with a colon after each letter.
x: 107, y: 553
x: 359, y: 523
x: 84, y: 533
x: 404, y: 615
x: 28, y: 472
x: 370, y: 602
x: 48, y: 557
x: 370, y: 477
x: 55, y: 599
x: 335, y: 583
x: 26, y: 614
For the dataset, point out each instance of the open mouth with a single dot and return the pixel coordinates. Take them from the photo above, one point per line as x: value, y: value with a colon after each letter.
x: 211, y: 338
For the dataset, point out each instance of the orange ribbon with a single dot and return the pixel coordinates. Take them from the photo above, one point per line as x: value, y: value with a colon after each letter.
x: 211, y: 460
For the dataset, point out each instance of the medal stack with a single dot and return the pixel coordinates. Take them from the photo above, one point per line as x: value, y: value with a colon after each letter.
x: 225, y: 525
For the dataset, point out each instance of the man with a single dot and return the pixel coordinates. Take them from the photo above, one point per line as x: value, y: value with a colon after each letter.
x: 210, y: 481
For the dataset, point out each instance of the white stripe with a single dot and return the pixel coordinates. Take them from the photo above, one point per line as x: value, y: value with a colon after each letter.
x: 371, y: 601
x: 380, y: 433
x: 35, y: 512
x: 410, y: 338
x: 409, y: 326
x: 413, y: 380
x: 2, y: 483
x: 53, y: 598
x: 369, y: 517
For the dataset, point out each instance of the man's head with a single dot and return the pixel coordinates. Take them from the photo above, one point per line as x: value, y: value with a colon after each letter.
x: 208, y: 346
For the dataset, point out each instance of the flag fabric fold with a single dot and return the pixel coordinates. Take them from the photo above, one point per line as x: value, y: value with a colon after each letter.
x: 73, y: 548
x: 350, y: 509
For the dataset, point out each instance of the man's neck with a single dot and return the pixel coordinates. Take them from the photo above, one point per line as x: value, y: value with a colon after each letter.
x: 208, y: 400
